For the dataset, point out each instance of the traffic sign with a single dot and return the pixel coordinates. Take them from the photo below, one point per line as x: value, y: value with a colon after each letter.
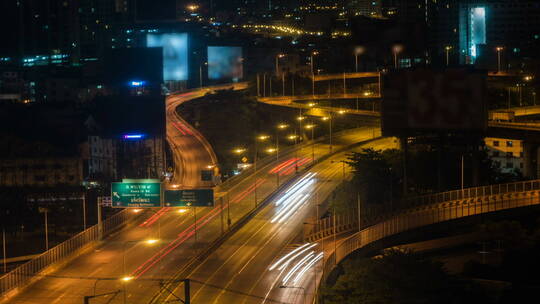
x: 136, y: 194
x: 189, y: 198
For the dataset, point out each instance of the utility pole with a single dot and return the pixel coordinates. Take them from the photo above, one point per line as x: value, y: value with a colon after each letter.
x: 84, y: 210
x: 4, y: 248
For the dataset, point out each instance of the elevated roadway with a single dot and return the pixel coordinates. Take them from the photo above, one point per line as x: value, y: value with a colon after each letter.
x: 182, y: 235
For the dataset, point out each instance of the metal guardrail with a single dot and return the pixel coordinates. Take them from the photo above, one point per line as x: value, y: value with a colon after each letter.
x: 349, y: 222
x: 427, y: 215
x: 474, y: 192
x: 23, y: 275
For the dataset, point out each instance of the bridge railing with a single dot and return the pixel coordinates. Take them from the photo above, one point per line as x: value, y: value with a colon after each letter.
x: 349, y: 222
x: 24, y: 274
x: 427, y: 215
x: 474, y: 192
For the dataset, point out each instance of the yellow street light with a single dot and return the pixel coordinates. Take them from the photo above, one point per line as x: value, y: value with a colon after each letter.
x: 527, y: 78
x: 126, y: 279
x: 182, y: 211
x: 311, y: 104
x: 282, y: 126
x: 325, y: 118
x: 263, y: 137
x: 137, y: 210
x: 151, y: 241
x: 342, y: 112
x: 300, y: 118
x: 271, y: 150
x: 315, y: 53
x: 309, y: 126
x: 291, y: 137
x: 192, y: 7
x: 239, y: 150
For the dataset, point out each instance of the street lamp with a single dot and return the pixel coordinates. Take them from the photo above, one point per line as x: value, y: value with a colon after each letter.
x: 281, y: 126
x: 312, y: 128
x: 329, y: 119
x: 278, y: 56
x: 314, y: 53
x: 239, y: 150
x: 499, y: 49
x: 447, y: 49
x: 257, y: 139
x: 359, y: 50
x: 396, y: 49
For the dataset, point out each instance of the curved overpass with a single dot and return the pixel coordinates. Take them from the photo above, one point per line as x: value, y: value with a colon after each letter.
x: 191, y: 151
x: 429, y: 210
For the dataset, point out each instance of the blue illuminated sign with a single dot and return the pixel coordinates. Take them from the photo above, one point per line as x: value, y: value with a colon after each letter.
x: 137, y: 83
x: 175, y: 54
x: 134, y: 136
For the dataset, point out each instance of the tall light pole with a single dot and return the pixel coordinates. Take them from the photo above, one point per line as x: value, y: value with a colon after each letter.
x: 329, y: 118
x: 359, y: 50
x: 311, y: 63
x: 396, y: 49
x: 312, y: 128
x: 499, y: 49
x: 447, y: 49
x: 278, y: 56
x: 257, y: 139
x: 281, y: 126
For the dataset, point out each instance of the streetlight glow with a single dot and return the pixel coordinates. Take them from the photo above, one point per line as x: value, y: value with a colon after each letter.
x: 151, y: 241
x: 300, y: 118
x: 282, y: 126
x: 239, y: 150
x: 126, y: 279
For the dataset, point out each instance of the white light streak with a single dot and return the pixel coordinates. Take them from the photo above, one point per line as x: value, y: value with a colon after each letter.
x: 296, y: 267
x: 286, y: 256
x: 307, y: 267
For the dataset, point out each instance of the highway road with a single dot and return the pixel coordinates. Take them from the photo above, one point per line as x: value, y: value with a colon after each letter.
x: 182, y: 234
x: 191, y: 152
x: 247, y: 268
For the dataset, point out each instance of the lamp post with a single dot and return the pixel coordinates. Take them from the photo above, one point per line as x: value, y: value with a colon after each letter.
x: 329, y: 118
x: 314, y: 53
x: 281, y: 126
x: 396, y: 49
x: 359, y: 50
x: 447, y: 49
x: 257, y: 139
x: 278, y: 56
x: 499, y: 49
x: 312, y: 128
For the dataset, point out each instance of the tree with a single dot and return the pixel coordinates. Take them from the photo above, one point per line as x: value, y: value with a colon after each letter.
x: 376, y: 174
x: 397, y: 277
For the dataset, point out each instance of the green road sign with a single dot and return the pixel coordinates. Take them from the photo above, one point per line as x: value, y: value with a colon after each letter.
x: 137, y: 194
x: 189, y: 198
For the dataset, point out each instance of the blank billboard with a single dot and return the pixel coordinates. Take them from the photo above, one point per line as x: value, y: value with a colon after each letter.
x: 175, y: 54
x: 225, y: 62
